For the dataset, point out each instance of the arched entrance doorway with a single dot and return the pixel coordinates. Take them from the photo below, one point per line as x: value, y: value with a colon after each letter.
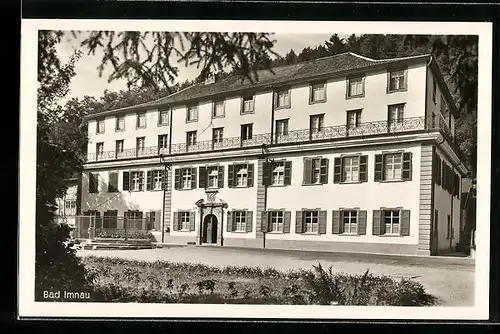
x: 209, y: 234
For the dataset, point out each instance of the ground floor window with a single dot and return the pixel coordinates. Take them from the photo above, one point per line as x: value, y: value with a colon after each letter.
x: 391, y: 221
x: 277, y: 220
x: 184, y: 221
x: 240, y: 221
x: 350, y: 221
x: 311, y: 221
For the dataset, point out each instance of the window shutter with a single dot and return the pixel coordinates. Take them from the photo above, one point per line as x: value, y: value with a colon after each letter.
x: 148, y: 220
x: 176, y: 221
x: 362, y: 222
x: 157, y: 223
x: 229, y: 226
x: 406, y: 172
x: 141, y: 180
x: 377, y: 228
x: 203, y: 177
x: 233, y: 222
x: 299, y: 227
x: 288, y: 173
x: 264, y: 225
x: 126, y: 181
x: 164, y: 179
x: 192, y: 220
x: 336, y: 229
x: 220, y: 177
x: 93, y: 182
x: 379, y: 166
x: 250, y: 175
x: 230, y: 176
x: 287, y: 217
x: 363, y: 168
x: 113, y: 182
x: 307, y: 171
x: 337, y: 170
x: 266, y: 173
x: 193, y: 178
x: 149, y: 180
x: 322, y: 222
x: 324, y: 170
x: 438, y: 169
x: 405, y: 223
x: 249, y: 221
x: 177, y: 179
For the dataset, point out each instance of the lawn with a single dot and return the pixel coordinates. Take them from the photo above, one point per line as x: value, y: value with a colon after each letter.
x: 122, y: 280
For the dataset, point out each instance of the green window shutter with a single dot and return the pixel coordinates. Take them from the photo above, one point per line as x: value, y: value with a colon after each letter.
x: 407, y: 166
x: 264, y: 225
x: 220, y: 177
x: 322, y: 222
x: 203, y: 177
x: 299, y: 226
x: 192, y: 220
x: 405, y: 223
x: 337, y: 170
x: 287, y: 217
x: 249, y: 221
x: 250, y: 175
x: 230, y: 176
x: 177, y: 179
x: 363, y: 168
x: 288, y: 173
x: 266, y: 173
x: 336, y: 229
x: 149, y: 180
x: 176, y: 221
x: 193, y: 178
x: 307, y: 171
x: 377, y: 228
x: 324, y: 170
x: 379, y: 167
x: 229, y: 225
x: 362, y: 222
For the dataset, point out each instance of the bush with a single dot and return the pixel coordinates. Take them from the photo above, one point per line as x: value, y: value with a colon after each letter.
x: 113, y: 233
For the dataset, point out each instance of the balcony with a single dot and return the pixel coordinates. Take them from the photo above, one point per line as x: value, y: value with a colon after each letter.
x: 296, y: 137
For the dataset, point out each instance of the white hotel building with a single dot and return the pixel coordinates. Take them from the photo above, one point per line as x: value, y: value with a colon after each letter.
x: 342, y: 153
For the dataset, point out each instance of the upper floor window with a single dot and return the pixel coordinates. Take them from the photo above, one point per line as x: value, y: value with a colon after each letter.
x: 99, y: 150
x: 240, y: 175
x: 120, y: 123
x: 137, y: 181
x: 218, y: 110
x: 350, y: 169
x: 283, y: 99
x: 355, y: 87
x: 157, y: 179
x: 191, y: 138
x: 119, y: 147
x: 316, y: 123
x: 276, y: 173
x: 247, y: 105
x: 397, y: 80
x: 185, y: 178
x: 162, y: 141
x: 100, y: 126
x: 212, y: 177
x: 163, y: 117
x: 246, y: 131
x: 281, y: 127
x: 112, y: 182
x: 218, y: 135
x: 317, y: 92
x: 93, y: 182
x: 141, y: 120
x: 192, y: 114
x: 315, y: 171
x: 396, y: 113
x: 140, y: 143
x: 393, y: 166
x: 353, y: 119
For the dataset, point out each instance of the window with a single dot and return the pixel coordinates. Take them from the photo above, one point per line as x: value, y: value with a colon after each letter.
x: 246, y: 131
x: 277, y: 220
x: 311, y: 221
x: 396, y: 113
x: 353, y: 119
x: 393, y: 165
x: 241, y: 176
x: 137, y: 179
x: 99, y: 150
x: 247, y: 105
x: 391, y: 221
x: 281, y: 128
x: 213, y: 177
x: 162, y: 142
x: 315, y: 171
x: 217, y: 135
x: 277, y: 173
x: 218, y: 110
x: 397, y: 80
x: 184, y: 221
x: 141, y: 120
x: 157, y: 179
x: 355, y: 87
x: 154, y: 220
x: 112, y: 182
x: 70, y: 204
x: 316, y: 123
x: 192, y: 114
x: 350, y: 221
x: 240, y: 221
x: 449, y: 229
x: 163, y: 117
x: 140, y: 145
x: 318, y: 92
x: 191, y: 138
x: 133, y: 220
x: 119, y: 147
x: 120, y: 123
x: 351, y: 169
x: 278, y: 177
x: 186, y: 178
x: 100, y: 126
x: 283, y: 99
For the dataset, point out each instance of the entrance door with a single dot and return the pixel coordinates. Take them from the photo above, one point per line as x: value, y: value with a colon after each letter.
x: 209, y: 235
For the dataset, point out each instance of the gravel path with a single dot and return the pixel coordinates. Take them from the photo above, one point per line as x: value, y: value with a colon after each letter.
x: 451, y: 280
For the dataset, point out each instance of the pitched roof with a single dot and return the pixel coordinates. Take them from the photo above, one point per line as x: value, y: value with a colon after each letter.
x: 321, y: 67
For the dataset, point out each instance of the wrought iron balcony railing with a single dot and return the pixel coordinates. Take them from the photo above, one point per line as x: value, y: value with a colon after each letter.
x: 296, y: 136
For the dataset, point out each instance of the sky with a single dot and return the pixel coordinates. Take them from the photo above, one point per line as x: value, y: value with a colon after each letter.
x: 87, y: 81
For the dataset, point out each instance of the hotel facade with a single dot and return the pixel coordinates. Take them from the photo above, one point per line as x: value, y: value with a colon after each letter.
x: 342, y: 153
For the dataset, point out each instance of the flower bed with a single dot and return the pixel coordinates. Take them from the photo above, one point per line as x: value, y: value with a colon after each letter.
x: 113, y: 233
